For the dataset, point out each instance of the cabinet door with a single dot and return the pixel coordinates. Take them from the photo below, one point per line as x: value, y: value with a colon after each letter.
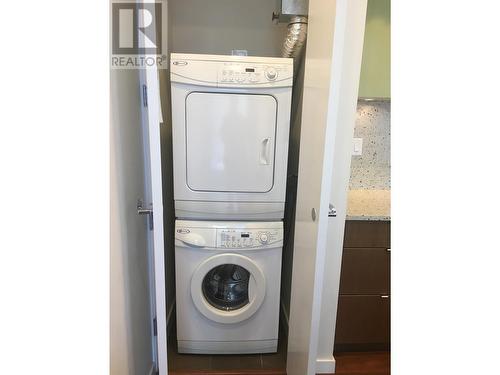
x: 363, y: 323
x: 365, y: 271
x: 367, y: 234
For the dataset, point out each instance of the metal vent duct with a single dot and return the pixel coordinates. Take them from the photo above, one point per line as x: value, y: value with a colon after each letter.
x: 294, y: 8
x: 295, y: 37
x: 295, y: 13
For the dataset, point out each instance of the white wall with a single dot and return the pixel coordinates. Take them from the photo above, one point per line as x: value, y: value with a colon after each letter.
x: 119, y: 358
x: 218, y: 26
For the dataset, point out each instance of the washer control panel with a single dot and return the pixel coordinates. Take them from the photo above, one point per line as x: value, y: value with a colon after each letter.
x: 248, y: 238
x: 252, y: 74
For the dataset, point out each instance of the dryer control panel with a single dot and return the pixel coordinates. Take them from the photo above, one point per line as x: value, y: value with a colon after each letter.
x: 231, y: 71
x: 252, y: 74
x: 248, y: 238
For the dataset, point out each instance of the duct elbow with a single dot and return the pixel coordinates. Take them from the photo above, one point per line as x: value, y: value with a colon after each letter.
x: 295, y: 38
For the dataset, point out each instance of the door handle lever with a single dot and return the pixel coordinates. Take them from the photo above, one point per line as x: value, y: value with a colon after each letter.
x: 145, y: 211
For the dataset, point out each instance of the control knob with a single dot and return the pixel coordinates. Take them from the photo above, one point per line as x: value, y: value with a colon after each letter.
x: 263, y: 238
x: 271, y: 74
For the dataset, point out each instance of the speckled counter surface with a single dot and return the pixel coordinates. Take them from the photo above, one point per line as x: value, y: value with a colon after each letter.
x: 370, y: 184
x: 366, y: 204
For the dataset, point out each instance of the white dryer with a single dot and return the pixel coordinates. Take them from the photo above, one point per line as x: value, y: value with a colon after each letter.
x: 230, y: 128
x: 227, y: 286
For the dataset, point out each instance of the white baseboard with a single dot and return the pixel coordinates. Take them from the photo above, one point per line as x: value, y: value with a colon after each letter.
x: 325, y: 366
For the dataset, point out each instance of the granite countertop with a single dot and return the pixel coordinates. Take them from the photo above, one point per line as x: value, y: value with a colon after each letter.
x: 364, y: 204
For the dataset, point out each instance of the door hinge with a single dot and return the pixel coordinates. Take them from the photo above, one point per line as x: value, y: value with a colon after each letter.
x: 155, y: 327
x: 145, y: 211
x: 144, y: 95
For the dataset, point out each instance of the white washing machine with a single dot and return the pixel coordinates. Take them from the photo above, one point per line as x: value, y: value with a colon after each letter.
x: 230, y: 128
x: 227, y: 286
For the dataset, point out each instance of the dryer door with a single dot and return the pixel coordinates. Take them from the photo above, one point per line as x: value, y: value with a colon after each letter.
x: 228, y: 288
x: 230, y: 142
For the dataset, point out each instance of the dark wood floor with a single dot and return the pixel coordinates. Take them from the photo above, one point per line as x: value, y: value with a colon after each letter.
x: 363, y: 363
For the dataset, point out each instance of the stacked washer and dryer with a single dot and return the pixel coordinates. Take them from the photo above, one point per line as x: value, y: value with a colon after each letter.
x: 230, y: 128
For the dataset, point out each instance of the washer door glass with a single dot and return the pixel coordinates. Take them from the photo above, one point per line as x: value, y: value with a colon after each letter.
x: 228, y: 288
x: 225, y: 287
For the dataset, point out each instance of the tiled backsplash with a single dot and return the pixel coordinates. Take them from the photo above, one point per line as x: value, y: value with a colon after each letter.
x: 372, y: 169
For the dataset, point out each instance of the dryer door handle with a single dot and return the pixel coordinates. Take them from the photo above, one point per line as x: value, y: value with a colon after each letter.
x: 264, y: 151
x: 193, y: 240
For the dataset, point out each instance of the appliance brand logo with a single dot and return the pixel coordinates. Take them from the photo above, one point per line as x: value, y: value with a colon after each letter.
x: 135, y: 40
x: 183, y: 231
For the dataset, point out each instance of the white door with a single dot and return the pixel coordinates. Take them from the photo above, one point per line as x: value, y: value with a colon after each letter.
x: 153, y: 208
x: 230, y: 142
x: 132, y: 349
x: 137, y: 271
x: 334, y: 44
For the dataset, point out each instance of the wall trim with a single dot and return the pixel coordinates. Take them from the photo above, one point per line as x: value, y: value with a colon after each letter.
x: 325, y: 366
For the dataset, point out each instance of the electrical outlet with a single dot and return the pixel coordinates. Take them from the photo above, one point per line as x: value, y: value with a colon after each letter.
x: 357, y: 146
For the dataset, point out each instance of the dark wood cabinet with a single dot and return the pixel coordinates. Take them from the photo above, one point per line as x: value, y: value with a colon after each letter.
x: 365, y: 322
x: 365, y: 271
x: 363, y: 313
x: 360, y: 233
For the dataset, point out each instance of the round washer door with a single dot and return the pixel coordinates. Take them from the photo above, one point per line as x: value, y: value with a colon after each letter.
x: 228, y: 288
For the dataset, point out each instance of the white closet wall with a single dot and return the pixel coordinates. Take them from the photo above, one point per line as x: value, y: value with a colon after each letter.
x: 219, y: 26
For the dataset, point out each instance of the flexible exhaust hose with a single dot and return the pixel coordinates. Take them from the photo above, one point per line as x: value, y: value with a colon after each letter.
x: 295, y: 38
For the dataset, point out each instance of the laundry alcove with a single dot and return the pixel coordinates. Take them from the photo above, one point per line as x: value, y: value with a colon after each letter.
x: 216, y: 28
x: 320, y: 129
